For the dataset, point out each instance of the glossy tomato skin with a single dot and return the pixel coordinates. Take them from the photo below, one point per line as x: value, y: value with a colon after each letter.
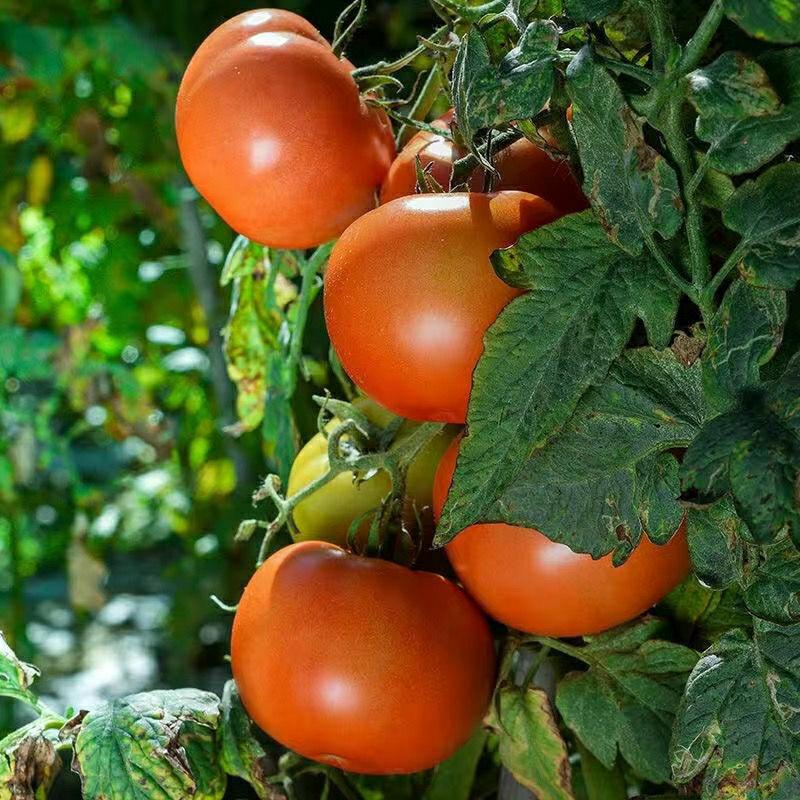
x: 523, y: 166
x: 525, y: 580
x: 358, y: 662
x: 327, y: 513
x: 274, y: 134
x: 410, y: 292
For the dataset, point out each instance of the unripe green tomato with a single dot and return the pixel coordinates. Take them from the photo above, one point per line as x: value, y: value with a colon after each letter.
x: 327, y: 514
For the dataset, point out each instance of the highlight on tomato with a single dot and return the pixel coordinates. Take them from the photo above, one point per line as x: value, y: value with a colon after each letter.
x: 358, y: 662
x: 274, y: 134
x: 410, y: 292
x: 328, y: 513
x: 523, y: 166
x: 529, y: 582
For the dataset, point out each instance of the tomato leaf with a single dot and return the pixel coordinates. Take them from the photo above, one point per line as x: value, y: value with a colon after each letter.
x: 741, y: 114
x: 16, y: 676
x: 753, y: 451
x: 739, y: 719
x: 519, y: 87
x: 154, y: 744
x: 626, y: 701
x: 773, y: 583
x: 631, y: 186
x: 766, y: 212
x: 531, y: 746
x: 742, y: 336
x: 771, y: 20
x: 715, y: 534
x: 29, y: 761
x: 545, y: 349
x: 240, y: 752
x: 278, y: 431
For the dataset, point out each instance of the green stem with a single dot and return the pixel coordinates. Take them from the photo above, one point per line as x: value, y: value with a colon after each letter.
x: 730, y: 264
x: 669, y: 270
x: 698, y: 44
x: 560, y: 647
x: 660, y: 32
x: 390, y: 67
x: 641, y: 74
x: 422, y: 105
x: 535, y: 666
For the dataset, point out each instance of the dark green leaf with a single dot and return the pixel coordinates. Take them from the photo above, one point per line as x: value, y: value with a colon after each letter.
x: 279, y: 433
x: 591, y: 10
x: 766, y: 212
x: 453, y: 779
x: 158, y: 745
x: 486, y: 95
x: 753, y: 451
x: 627, y: 699
x: 631, y: 186
x: 531, y: 747
x: 773, y: 583
x: 546, y: 349
x: 771, y: 20
x: 715, y: 535
x: 740, y: 113
x: 739, y: 719
x: 240, y: 752
x: 743, y: 336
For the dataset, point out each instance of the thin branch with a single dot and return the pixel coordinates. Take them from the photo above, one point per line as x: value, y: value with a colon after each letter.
x: 698, y: 44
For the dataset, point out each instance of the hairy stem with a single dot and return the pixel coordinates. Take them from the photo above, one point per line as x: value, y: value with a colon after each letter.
x: 698, y: 44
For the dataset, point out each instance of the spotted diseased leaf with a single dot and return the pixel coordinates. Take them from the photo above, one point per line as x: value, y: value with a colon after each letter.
x: 486, y: 95
x: 773, y: 583
x: 279, y: 432
x: 241, y: 754
x: 716, y: 538
x: 753, y: 452
x: 546, y: 348
x: 29, y: 762
x: 740, y: 113
x: 16, y: 676
x: 739, y: 719
x: 159, y: 745
x: 742, y: 336
x: 531, y: 746
x: 771, y: 20
x: 626, y: 701
x: 631, y: 186
x: 766, y: 212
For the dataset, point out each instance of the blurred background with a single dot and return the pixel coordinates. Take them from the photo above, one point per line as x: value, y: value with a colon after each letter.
x: 119, y: 491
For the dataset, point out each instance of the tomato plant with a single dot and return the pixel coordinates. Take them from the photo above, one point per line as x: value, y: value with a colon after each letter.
x: 274, y: 134
x: 431, y: 313
x: 523, y: 166
x: 531, y: 583
x: 324, y: 647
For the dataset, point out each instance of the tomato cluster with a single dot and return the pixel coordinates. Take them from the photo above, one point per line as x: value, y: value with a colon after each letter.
x: 354, y: 661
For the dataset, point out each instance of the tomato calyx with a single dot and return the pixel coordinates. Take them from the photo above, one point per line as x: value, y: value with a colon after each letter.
x: 357, y: 445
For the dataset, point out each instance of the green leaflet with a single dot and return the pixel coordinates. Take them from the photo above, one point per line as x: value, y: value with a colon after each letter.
x: 627, y: 699
x: 738, y: 719
x: 631, y: 186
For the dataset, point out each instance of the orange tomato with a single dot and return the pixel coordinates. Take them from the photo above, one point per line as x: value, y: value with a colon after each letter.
x: 525, y: 580
x: 274, y: 134
x: 360, y: 663
x: 523, y: 166
x: 410, y: 292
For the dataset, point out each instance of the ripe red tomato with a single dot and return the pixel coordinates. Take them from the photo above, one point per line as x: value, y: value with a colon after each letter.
x: 360, y: 663
x: 522, y: 166
x: 410, y: 292
x: 525, y: 580
x: 274, y: 134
